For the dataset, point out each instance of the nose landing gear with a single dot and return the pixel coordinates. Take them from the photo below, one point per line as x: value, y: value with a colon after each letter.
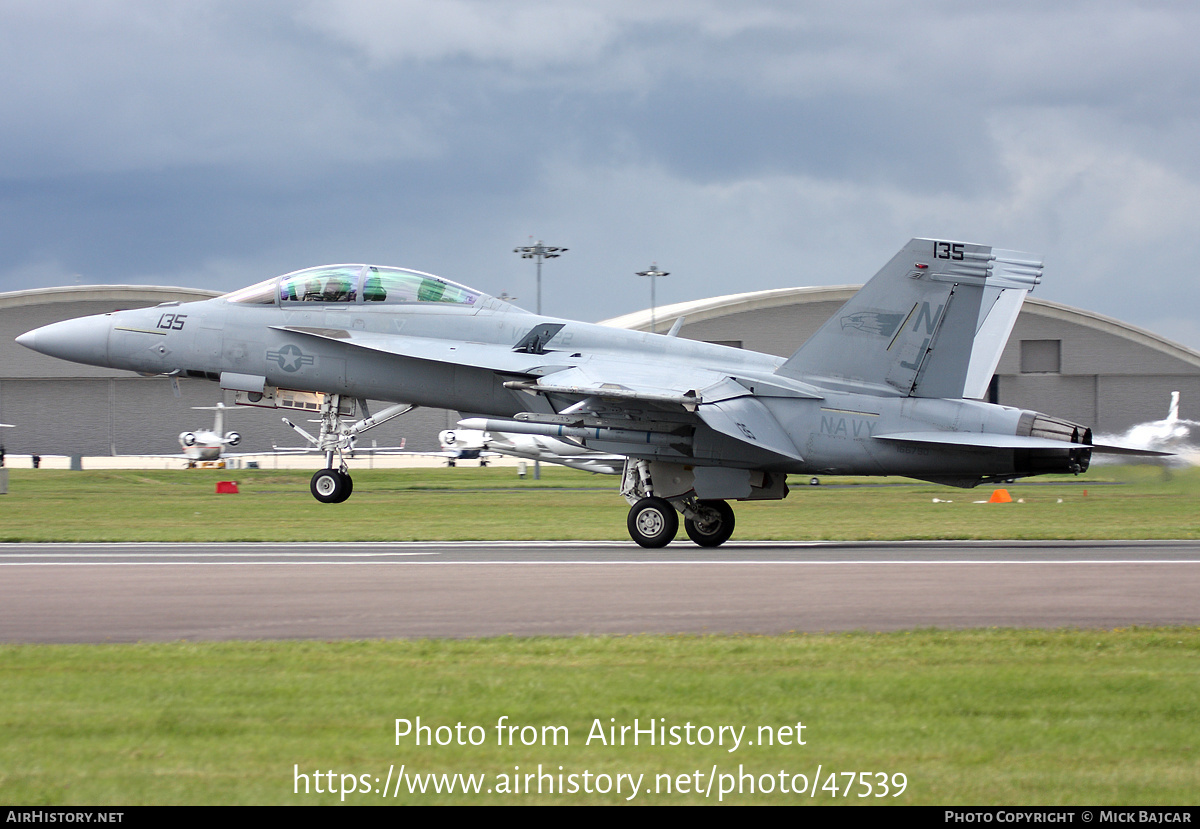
x: 331, y: 486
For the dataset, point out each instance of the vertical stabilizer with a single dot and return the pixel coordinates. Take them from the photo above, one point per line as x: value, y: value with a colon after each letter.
x: 931, y: 323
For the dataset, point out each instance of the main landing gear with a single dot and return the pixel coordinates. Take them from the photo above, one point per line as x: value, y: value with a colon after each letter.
x: 333, y: 484
x: 654, y: 521
x: 713, y: 524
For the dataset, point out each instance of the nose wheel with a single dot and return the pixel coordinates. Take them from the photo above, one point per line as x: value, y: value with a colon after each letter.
x: 331, y: 486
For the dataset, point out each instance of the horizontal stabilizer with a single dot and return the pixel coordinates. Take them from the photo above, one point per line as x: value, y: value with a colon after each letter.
x: 993, y: 441
x: 1129, y: 450
x: 982, y: 440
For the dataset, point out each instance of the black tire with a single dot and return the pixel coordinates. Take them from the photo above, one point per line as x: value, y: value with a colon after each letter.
x: 652, y: 522
x: 712, y: 533
x: 329, y: 486
x: 349, y: 487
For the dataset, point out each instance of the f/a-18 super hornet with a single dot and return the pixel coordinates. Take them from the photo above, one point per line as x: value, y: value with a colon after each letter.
x: 890, y: 385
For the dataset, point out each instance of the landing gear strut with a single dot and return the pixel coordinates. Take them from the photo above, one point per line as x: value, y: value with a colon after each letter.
x: 333, y: 484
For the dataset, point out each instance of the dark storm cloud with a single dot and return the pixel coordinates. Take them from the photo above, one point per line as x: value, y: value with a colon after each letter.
x: 216, y: 143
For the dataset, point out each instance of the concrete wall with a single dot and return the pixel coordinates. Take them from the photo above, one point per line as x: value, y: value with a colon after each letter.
x: 133, y: 415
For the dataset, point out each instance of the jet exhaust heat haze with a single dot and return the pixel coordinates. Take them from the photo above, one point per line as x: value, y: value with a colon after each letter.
x: 890, y: 385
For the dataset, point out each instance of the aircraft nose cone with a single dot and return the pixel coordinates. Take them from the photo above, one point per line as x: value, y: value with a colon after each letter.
x: 82, y: 340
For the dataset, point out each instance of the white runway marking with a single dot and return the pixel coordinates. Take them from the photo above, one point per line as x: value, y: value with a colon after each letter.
x: 598, y: 553
x: 356, y: 558
x: 210, y: 555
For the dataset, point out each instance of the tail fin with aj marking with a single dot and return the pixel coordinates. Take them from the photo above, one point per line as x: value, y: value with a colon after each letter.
x: 932, y: 323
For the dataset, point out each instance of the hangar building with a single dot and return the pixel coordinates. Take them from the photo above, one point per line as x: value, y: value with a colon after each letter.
x: 1059, y: 360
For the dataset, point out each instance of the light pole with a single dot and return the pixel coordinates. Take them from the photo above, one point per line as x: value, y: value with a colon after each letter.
x: 654, y: 273
x: 539, y: 252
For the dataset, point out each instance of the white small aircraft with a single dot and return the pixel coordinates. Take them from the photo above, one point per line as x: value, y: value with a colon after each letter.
x: 464, y: 445
x: 208, y: 444
x: 476, y: 443
x: 1172, y: 435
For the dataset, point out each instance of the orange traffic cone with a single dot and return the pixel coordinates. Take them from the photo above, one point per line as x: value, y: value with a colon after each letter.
x: 1000, y: 496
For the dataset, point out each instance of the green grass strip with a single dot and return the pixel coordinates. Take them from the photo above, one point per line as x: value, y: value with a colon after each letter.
x: 1003, y: 717
x: 493, y: 504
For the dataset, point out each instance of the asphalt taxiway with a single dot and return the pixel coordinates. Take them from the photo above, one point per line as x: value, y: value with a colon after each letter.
x: 166, y: 592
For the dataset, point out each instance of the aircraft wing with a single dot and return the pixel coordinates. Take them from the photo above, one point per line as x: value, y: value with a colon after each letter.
x: 748, y: 420
x: 619, y: 403
x: 605, y: 391
x: 456, y: 352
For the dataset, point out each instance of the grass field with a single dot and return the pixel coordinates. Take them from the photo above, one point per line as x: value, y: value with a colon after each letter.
x: 488, y: 504
x: 972, y: 718
x: 1002, y: 717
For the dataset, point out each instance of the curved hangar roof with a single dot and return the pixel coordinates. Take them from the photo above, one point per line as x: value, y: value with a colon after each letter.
x: 22, y: 311
x: 118, y: 296
x: 747, y: 320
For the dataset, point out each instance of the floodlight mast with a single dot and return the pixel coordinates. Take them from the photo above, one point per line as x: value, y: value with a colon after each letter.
x: 654, y: 273
x: 539, y: 252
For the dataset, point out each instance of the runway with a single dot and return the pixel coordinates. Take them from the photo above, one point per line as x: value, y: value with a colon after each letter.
x: 166, y: 592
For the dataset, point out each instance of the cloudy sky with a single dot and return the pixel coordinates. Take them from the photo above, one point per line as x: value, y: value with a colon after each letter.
x: 741, y: 146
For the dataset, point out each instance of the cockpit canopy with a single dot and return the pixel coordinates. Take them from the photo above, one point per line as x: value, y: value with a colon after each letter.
x: 353, y: 284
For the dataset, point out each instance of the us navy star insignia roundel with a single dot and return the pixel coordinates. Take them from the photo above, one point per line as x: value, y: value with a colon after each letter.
x: 290, y: 358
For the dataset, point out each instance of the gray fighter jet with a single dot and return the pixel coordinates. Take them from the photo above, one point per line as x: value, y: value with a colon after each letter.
x: 889, y: 386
